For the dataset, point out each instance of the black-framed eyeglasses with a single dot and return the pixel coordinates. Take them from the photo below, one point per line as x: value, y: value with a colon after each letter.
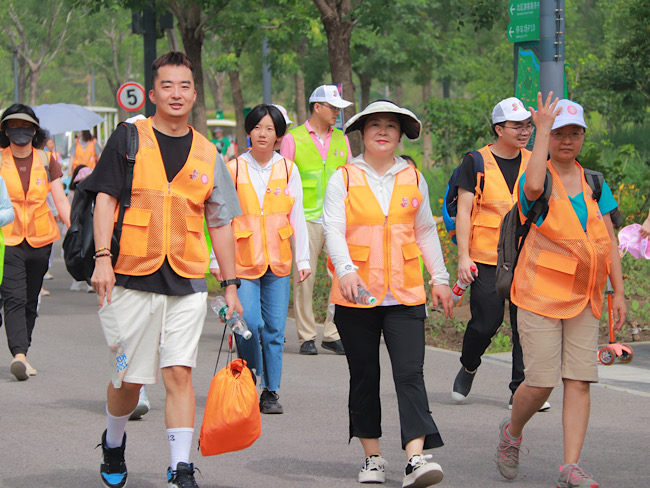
x: 574, y: 136
x: 520, y: 129
x: 331, y: 107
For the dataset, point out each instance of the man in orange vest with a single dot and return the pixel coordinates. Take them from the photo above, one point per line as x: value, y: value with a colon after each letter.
x: 478, y: 221
x: 153, y: 300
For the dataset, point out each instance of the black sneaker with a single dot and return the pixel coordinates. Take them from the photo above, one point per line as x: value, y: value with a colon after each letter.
x: 308, y: 348
x: 269, y: 403
x: 183, y: 477
x: 420, y: 472
x: 462, y: 385
x: 334, y: 346
x: 113, y: 468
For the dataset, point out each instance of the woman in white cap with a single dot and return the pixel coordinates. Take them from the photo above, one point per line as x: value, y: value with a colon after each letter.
x: 377, y: 223
x: 558, y: 287
x: 30, y: 177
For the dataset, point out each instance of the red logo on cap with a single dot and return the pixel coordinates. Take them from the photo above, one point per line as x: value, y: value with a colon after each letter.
x: 514, y: 107
x: 572, y: 110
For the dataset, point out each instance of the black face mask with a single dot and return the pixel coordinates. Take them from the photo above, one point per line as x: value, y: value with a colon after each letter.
x: 21, y: 136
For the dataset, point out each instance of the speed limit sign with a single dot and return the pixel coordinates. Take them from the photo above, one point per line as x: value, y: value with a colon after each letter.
x: 130, y: 96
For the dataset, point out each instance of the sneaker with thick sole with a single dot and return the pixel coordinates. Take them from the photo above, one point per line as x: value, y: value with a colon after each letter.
x: 143, y: 405
x: 182, y: 477
x: 18, y: 368
x: 420, y: 472
x: 573, y: 476
x: 308, y: 348
x: 462, y: 385
x: 544, y: 408
x: 113, y: 468
x: 507, y: 457
x: 269, y: 403
x: 373, y: 470
x: 335, y: 346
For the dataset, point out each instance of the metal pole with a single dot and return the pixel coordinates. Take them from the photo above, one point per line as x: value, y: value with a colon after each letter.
x: 551, y: 47
x: 16, y: 77
x: 92, y: 86
x: 266, y: 73
x: 149, y: 36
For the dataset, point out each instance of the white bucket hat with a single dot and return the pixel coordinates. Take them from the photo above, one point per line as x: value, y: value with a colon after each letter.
x: 410, y: 125
x: 571, y: 113
x: 328, y: 94
x: 283, y: 111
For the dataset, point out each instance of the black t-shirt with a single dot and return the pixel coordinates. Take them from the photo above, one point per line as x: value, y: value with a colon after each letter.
x: 108, y: 177
x: 509, y: 168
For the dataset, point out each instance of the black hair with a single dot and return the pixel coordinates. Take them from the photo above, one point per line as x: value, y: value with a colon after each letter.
x: 259, y: 112
x: 72, y: 184
x: 409, y: 159
x: 494, y: 130
x: 172, y: 58
x: 311, y: 107
x: 18, y: 108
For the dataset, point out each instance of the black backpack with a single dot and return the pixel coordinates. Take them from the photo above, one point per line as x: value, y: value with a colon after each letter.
x: 79, y: 241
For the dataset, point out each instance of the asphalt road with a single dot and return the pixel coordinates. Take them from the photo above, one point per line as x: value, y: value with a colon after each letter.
x: 50, y: 424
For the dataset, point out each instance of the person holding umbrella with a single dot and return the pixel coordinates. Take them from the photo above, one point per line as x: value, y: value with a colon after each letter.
x: 30, y: 177
x: 377, y: 222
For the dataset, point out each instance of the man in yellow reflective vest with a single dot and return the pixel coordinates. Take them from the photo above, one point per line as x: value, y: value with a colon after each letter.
x: 318, y: 149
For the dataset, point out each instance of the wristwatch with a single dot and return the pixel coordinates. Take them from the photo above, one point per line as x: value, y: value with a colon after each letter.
x: 234, y: 281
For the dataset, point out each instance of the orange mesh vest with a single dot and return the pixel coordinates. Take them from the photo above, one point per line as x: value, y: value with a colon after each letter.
x: 262, y: 234
x: 33, y: 219
x: 561, y: 267
x: 383, y: 247
x: 165, y: 219
x: 85, y: 156
x: 490, y: 207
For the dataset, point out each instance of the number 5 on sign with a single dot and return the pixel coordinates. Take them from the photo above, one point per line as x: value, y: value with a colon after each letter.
x: 130, y: 96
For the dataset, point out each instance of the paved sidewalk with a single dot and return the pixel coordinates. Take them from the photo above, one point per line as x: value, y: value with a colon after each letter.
x: 51, y: 423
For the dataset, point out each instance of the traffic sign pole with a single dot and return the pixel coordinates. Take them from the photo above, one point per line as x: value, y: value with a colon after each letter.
x: 551, y: 77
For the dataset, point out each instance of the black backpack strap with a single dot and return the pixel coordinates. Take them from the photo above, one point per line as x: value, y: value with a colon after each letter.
x: 539, y: 208
x: 479, y: 170
x: 132, y: 144
x: 595, y: 181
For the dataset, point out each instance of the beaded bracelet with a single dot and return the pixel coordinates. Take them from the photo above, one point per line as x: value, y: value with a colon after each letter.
x: 101, y: 255
x: 102, y: 249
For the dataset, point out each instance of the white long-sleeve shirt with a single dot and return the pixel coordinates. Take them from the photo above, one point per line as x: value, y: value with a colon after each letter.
x: 260, y: 179
x: 334, y: 221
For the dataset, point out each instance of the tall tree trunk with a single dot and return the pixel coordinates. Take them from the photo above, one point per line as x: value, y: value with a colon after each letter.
x: 398, y: 95
x: 301, y: 110
x: 23, y: 79
x: 427, y: 144
x: 33, y: 86
x: 192, y: 34
x: 173, y: 39
x: 238, y: 103
x: 446, y: 88
x: 365, y: 79
x: 338, y: 27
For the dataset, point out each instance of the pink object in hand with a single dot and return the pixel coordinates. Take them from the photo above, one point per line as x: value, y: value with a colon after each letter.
x: 630, y: 240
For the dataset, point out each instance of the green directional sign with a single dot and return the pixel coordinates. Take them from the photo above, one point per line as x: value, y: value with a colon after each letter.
x: 523, y: 9
x: 523, y: 30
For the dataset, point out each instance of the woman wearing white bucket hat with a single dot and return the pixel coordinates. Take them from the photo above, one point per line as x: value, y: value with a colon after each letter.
x: 377, y: 223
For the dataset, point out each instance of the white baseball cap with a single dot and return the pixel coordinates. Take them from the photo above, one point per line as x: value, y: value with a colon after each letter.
x: 410, y: 125
x: 511, y: 109
x: 283, y: 110
x: 571, y: 113
x: 329, y: 94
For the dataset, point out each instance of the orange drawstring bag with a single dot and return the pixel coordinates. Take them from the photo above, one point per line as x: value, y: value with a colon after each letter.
x: 232, y: 420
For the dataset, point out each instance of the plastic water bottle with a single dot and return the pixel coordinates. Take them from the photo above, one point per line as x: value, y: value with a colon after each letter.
x: 364, y: 297
x: 236, y: 323
x: 458, y: 291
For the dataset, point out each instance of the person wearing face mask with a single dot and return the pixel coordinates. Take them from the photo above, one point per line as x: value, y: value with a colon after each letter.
x: 29, y: 177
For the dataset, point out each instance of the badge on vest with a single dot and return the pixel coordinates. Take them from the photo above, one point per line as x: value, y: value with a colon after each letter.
x: 194, y: 175
x: 204, y: 179
x: 39, y: 181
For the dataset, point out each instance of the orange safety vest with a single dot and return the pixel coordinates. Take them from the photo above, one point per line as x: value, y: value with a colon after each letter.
x: 33, y: 219
x: 165, y: 219
x: 383, y: 247
x: 561, y: 267
x: 490, y: 206
x: 84, y: 155
x: 262, y: 234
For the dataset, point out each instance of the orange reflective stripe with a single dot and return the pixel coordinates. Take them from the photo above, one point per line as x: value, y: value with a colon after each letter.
x: 383, y: 247
x: 262, y: 234
x: 165, y: 219
x: 561, y: 268
x: 490, y: 207
x: 33, y: 220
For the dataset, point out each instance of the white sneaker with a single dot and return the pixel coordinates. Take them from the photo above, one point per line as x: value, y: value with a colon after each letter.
x: 420, y: 473
x: 89, y: 289
x: 373, y: 470
x: 76, y: 285
x: 143, y: 406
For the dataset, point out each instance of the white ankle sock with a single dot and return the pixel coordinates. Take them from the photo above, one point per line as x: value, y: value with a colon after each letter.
x: 180, y: 443
x: 115, y: 427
